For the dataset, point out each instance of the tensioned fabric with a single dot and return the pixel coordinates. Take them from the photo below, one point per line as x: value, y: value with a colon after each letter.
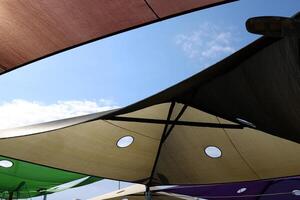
x: 26, y: 180
x: 240, y: 105
x: 270, y: 189
x: 33, y: 29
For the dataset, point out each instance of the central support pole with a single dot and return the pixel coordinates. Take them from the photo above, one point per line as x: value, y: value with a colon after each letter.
x: 148, y: 195
x: 10, y: 197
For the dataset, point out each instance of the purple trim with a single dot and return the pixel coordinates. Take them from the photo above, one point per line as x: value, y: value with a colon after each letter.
x: 272, y: 189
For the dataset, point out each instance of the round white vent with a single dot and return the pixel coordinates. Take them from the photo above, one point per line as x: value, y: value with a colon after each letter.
x: 125, y: 141
x: 6, y: 163
x: 213, y: 152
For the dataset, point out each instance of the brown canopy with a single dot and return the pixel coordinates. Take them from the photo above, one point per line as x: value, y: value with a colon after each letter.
x: 34, y: 29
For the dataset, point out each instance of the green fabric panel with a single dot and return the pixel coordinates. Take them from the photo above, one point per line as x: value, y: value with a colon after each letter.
x: 36, y: 178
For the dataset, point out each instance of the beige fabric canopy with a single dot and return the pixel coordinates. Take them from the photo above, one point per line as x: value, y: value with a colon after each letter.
x: 89, y: 147
x: 33, y: 29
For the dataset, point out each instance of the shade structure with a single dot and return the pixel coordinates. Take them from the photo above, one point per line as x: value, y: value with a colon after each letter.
x: 271, y: 189
x: 275, y: 189
x: 25, y: 180
x: 236, y: 121
x: 35, y: 29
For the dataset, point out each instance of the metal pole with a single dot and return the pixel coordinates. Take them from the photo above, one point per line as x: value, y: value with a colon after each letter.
x: 45, y: 197
x: 10, y: 197
x: 148, y: 195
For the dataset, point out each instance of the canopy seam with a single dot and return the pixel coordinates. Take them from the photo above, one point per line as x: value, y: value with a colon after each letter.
x: 150, y: 7
x: 111, y: 123
x: 240, y: 154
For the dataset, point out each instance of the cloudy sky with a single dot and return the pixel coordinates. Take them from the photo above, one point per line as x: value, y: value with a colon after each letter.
x: 128, y: 67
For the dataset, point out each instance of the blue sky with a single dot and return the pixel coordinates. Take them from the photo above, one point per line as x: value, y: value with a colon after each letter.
x: 128, y: 67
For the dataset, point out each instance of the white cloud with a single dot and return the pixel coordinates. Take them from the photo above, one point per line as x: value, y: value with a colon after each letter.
x: 20, y: 112
x: 208, y: 42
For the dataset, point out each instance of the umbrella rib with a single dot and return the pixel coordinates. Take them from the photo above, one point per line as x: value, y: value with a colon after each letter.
x: 160, y: 145
x: 176, y: 122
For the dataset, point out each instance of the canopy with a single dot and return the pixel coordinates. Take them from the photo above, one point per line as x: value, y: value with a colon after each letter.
x: 236, y: 121
x: 272, y: 189
x: 34, y: 29
x: 25, y: 180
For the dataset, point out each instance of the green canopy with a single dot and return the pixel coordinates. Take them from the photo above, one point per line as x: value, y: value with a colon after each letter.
x: 25, y: 180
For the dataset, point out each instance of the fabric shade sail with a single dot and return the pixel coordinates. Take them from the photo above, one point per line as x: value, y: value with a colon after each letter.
x: 34, y: 29
x: 273, y: 189
x: 25, y: 180
x: 270, y: 189
x: 235, y: 121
